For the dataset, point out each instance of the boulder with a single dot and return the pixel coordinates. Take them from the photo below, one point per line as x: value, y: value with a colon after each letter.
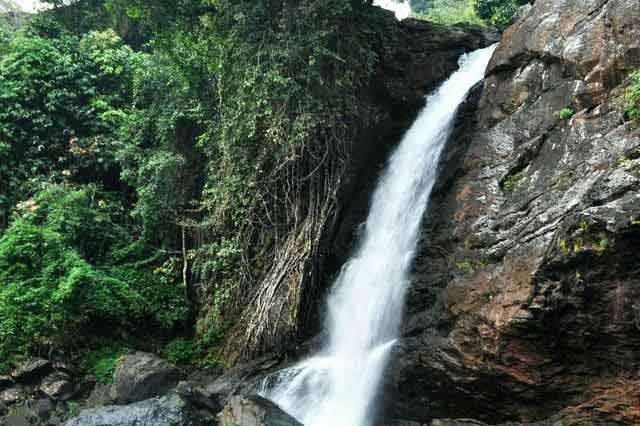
x: 14, y: 395
x: 254, y: 411
x: 32, y: 370
x: 170, y: 410
x: 140, y: 376
x: 6, y: 382
x: 57, y: 386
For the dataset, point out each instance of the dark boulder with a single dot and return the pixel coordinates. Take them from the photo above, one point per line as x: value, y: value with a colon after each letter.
x: 57, y: 386
x: 140, y: 376
x: 170, y: 410
x: 32, y: 370
x: 254, y: 411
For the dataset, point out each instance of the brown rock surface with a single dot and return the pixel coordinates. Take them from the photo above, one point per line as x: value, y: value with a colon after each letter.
x: 526, y: 298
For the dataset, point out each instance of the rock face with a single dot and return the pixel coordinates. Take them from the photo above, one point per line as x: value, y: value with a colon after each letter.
x: 525, y: 303
x: 140, y: 376
x: 171, y: 410
x: 254, y: 411
x: 413, y: 58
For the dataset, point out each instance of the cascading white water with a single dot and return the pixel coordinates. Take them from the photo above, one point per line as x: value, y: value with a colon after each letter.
x: 401, y: 8
x: 337, y: 387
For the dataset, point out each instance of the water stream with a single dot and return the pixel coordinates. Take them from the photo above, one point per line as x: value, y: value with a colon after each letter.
x: 338, y: 385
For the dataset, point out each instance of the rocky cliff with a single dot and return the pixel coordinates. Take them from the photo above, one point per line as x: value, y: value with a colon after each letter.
x: 525, y: 305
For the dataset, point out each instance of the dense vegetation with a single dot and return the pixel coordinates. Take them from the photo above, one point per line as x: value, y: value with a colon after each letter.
x: 160, y: 159
x: 493, y: 12
x: 147, y: 174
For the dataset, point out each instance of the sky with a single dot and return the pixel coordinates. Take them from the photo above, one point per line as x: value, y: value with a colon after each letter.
x: 399, y: 7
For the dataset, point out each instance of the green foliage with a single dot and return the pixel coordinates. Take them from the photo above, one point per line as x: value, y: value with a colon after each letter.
x: 62, y: 100
x: 196, y: 352
x: 509, y: 181
x: 56, y: 284
x: 497, y: 12
x: 101, y: 363
x: 465, y: 266
x: 565, y: 113
x: 161, y: 159
x: 632, y: 109
x: 287, y: 81
x: 450, y: 12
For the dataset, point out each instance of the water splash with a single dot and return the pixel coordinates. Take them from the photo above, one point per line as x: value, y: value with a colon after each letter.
x: 402, y: 9
x: 338, y: 386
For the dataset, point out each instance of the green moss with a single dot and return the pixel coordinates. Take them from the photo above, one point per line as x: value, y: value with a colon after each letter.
x: 632, y: 109
x: 602, y: 244
x: 465, y: 266
x: 509, y: 181
x: 101, y: 363
x: 565, y: 113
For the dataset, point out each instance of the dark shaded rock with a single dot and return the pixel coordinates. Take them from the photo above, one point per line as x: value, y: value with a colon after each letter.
x: 6, y: 382
x: 170, y: 410
x: 254, y: 411
x: 57, y: 386
x: 43, y: 408
x: 32, y: 370
x: 524, y: 304
x: 140, y: 376
x: 13, y: 395
x: 241, y: 380
x: 457, y: 422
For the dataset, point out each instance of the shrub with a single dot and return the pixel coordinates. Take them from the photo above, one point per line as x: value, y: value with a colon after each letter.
x: 57, y: 285
x: 101, y: 363
x: 451, y: 12
x: 565, y: 113
x: 61, y: 102
x: 632, y: 109
x: 497, y: 12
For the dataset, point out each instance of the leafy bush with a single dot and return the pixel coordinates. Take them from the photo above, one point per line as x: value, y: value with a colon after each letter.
x: 450, y: 12
x: 57, y: 284
x: 61, y: 102
x: 632, y: 109
x: 497, y: 12
x: 101, y: 363
x: 565, y: 113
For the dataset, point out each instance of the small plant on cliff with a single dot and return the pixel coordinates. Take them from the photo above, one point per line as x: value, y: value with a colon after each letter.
x: 565, y: 113
x: 632, y: 109
x: 101, y: 363
x: 497, y: 12
x: 465, y: 266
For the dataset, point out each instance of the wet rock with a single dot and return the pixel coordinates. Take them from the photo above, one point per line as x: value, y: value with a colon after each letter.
x: 254, y: 411
x: 523, y: 304
x: 57, y: 386
x: 32, y: 370
x: 141, y: 376
x: 170, y: 410
x: 6, y: 382
x: 243, y: 379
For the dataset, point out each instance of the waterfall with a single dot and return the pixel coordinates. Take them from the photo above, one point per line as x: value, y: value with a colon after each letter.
x: 402, y: 9
x: 338, y: 386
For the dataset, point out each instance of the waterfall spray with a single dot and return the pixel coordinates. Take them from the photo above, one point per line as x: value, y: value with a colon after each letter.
x: 338, y: 386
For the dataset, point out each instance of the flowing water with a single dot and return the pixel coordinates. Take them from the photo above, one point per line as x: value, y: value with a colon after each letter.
x: 338, y: 386
x: 401, y: 8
